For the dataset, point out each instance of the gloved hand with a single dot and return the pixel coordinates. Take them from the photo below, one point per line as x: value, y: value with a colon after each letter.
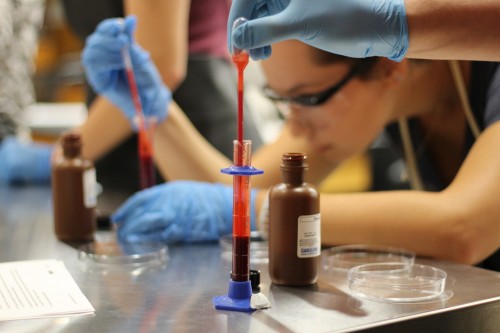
x: 178, y: 211
x: 353, y: 28
x: 105, y: 69
x: 24, y: 162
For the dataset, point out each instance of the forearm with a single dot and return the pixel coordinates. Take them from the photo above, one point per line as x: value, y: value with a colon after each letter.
x: 446, y: 225
x: 430, y: 224
x: 453, y: 29
x: 162, y: 30
x: 103, y: 130
x: 182, y: 153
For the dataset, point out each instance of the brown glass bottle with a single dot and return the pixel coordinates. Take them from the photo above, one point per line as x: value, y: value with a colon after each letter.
x: 294, y: 225
x: 73, y: 192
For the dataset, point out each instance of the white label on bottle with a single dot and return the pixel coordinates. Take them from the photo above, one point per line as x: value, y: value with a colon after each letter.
x: 309, y: 236
x: 89, y: 188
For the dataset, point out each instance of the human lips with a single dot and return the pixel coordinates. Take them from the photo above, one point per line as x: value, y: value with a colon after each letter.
x: 323, y: 148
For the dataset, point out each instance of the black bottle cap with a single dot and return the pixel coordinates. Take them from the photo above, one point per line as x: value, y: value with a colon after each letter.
x: 254, y: 279
x: 103, y: 220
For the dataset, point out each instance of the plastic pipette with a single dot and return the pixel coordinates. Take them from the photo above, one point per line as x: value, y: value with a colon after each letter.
x: 240, y: 60
x: 146, y: 165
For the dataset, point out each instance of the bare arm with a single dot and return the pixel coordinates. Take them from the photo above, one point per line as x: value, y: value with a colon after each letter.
x: 453, y: 29
x: 162, y: 30
x: 104, y: 129
x: 165, y: 21
x: 460, y: 223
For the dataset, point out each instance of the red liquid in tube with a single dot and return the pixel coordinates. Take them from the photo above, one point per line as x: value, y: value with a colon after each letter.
x: 241, y: 214
x: 241, y: 258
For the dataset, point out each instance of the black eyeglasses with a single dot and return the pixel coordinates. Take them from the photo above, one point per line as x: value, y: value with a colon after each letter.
x: 315, y: 99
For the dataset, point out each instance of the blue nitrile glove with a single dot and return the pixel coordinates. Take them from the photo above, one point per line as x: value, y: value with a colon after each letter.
x: 353, y: 28
x: 105, y: 69
x: 178, y: 211
x: 24, y: 162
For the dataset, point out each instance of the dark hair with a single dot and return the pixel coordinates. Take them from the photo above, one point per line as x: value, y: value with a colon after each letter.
x: 364, y: 65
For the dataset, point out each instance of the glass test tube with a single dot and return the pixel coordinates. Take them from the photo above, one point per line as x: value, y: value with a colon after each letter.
x: 241, y: 212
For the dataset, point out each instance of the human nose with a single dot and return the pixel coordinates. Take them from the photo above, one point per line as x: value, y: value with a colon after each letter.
x: 298, y: 122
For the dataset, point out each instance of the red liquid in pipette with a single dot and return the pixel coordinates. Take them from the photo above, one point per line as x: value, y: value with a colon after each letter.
x: 240, y: 61
x: 135, y: 98
x: 241, y: 187
x: 147, y: 172
x: 146, y: 164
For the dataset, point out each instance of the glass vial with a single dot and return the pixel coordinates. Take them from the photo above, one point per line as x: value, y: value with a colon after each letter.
x: 73, y: 192
x: 294, y: 225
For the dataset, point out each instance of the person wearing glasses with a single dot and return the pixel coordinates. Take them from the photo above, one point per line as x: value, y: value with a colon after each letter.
x: 439, y: 29
x: 444, y: 115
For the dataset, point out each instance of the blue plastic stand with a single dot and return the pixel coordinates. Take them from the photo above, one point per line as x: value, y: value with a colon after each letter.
x: 240, y: 293
x: 236, y: 170
x: 237, y: 299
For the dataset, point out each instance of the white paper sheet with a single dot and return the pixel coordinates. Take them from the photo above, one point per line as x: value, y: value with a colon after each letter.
x: 39, y: 288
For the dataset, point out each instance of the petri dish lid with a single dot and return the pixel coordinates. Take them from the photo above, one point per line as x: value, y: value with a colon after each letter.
x: 259, y: 247
x: 343, y: 258
x: 123, y: 255
x: 396, y: 282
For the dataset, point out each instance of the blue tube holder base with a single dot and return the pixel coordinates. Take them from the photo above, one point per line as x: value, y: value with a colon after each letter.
x: 237, y: 299
x: 236, y: 170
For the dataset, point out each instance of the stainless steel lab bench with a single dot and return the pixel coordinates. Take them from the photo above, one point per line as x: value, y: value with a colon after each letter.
x: 177, y: 297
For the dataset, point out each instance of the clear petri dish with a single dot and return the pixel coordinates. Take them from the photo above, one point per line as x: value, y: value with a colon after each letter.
x: 113, y: 254
x: 259, y: 247
x: 397, y: 282
x: 340, y: 259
